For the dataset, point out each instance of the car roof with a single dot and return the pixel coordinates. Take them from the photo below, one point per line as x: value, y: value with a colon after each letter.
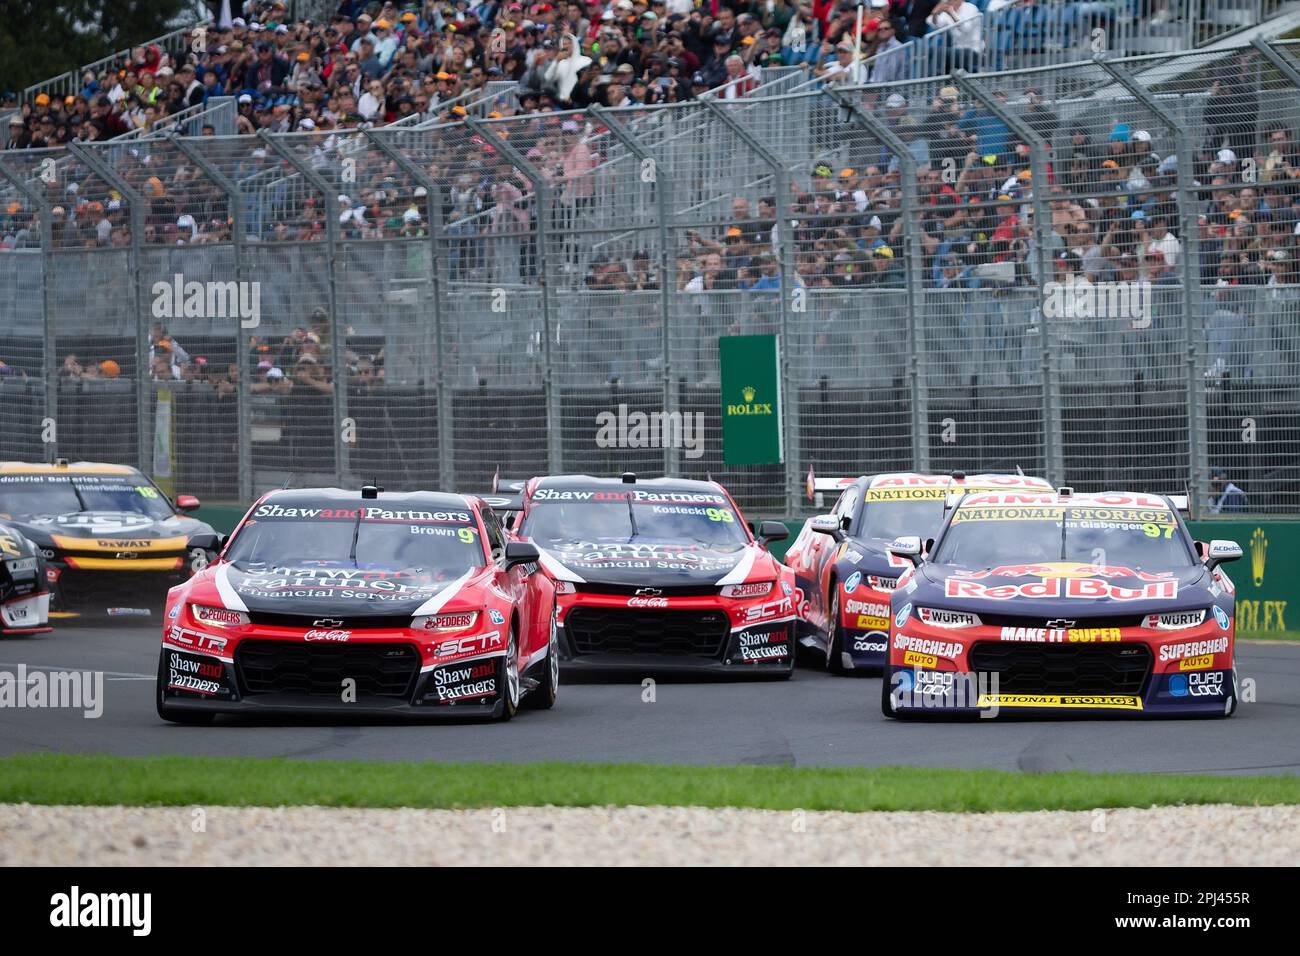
x: 1101, y: 499
x: 69, y: 468
x: 300, y: 497
x: 582, y: 482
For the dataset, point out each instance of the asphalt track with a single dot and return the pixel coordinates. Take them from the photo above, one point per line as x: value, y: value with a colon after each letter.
x: 811, y: 720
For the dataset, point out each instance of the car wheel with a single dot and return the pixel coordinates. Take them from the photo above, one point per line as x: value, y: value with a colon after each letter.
x: 1230, y: 705
x: 510, y: 679
x: 886, y: 685
x: 835, y: 635
x: 543, y: 698
x: 173, y: 714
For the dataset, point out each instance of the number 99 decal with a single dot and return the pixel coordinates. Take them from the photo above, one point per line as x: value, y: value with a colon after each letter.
x: 720, y: 514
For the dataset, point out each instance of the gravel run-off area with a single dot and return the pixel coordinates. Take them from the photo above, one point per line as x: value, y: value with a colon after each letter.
x: 633, y: 836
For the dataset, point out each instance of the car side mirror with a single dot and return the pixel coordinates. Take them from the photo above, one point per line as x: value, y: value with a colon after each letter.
x: 521, y: 552
x: 206, y: 541
x: 1221, y: 552
x: 827, y: 524
x: 907, y: 546
x: 773, y: 530
x: 187, y: 503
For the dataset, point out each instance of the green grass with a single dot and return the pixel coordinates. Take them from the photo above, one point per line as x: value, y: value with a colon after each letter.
x: 185, y: 781
x: 1268, y: 635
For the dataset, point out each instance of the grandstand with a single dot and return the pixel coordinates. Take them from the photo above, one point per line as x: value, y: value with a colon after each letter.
x: 462, y: 282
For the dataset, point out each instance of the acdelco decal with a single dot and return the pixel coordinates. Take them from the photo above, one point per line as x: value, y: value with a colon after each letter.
x: 1174, y: 652
x: 1080, y: 588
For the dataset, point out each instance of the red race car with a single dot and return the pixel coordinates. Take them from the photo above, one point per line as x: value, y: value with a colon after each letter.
x: 657, y: 575
x: 327, y: 601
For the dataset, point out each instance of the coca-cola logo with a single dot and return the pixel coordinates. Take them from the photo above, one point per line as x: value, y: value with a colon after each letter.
x: 327, y: 635
x: 647, y: 602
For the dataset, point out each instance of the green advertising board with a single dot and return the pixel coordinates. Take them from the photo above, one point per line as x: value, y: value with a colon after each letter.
x: 751, y: 400
x: 1265, y: 577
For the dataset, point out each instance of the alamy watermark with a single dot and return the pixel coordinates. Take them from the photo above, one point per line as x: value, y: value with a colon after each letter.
x: 53, y: 690
x: 629, y: 429
x: 1125, y: 301
x: 179, y: 299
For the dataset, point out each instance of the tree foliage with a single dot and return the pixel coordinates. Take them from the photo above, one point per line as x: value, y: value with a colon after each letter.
x: 40, y: 39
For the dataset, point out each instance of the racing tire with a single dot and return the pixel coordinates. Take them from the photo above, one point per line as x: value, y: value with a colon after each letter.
x: 835, y: 635
x: 510, y: 679
x: 886, y: 707
x: 543, y: 696
x: 172, y: 714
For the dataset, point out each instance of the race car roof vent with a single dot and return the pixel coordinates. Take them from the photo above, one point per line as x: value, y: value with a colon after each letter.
x: 370, y: 491
x: 1065, y: 492
x: 60, y: 463
x: 629, y: 478
x: 959, y: 476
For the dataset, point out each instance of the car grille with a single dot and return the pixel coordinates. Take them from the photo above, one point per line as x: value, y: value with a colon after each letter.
x: 638, y: 631
x: 1063, y: 668
x: 630, y: 590
x: 96, y: 590
x: 281, y: 667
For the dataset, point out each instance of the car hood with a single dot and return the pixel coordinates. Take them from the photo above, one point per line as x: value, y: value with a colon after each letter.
x: 326, y: 589
x: 83, y: 530
x: 650, y: 564
x: 872, y: 556
x: 1064, y: 589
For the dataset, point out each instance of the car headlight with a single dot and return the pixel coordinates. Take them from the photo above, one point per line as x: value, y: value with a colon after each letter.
x: 1174, y: 620
x: 217, y: 616
x: 445, y: 623
x: 753, y: 590
x: 941, y: 617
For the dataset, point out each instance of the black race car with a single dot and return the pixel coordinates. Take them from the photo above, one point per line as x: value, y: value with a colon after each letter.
x: 111, y: 540
x: 24, y: 594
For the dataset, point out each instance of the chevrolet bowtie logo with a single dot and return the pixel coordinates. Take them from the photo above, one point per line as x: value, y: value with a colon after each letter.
x: 648, y: 592
x: 1061, y: 622
x: 326, y: 622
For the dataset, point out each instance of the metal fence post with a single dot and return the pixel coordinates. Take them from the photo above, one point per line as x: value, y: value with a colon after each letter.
x: 916, y: 274
x: 1189, y: 234
x: 1053, y: 450
x: 661, y: 181
x: 49, y: 361
x: 342, y: 466
x: 143, y: 394
x: 545, y: 197
x: 446, y: 439
x: 243, y: 426
x: 789, y: 283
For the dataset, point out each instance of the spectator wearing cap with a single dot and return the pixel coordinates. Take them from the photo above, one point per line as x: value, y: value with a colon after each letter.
x: 842, y: 65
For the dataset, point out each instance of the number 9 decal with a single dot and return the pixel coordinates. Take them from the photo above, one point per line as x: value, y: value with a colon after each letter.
x: 467, y: 535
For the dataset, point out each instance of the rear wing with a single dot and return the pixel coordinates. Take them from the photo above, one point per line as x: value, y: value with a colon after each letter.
x: 815, y: 485
x: 504, y: 502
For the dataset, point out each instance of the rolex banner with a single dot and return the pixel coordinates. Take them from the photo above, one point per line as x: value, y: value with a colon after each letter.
x: 1267, y: 602
x: 751, y: 400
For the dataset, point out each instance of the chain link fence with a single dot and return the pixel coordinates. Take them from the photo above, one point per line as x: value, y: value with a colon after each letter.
x: 1087, y: 271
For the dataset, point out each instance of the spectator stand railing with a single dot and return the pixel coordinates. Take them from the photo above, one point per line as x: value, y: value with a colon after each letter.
x: 174, y: 42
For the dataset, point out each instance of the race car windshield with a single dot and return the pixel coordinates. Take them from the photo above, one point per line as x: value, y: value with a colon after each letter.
x: 443, y: 549
x: 983, y: 538
x: 713, y: 525
x: 889, y: 519
x: 41, y: 495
